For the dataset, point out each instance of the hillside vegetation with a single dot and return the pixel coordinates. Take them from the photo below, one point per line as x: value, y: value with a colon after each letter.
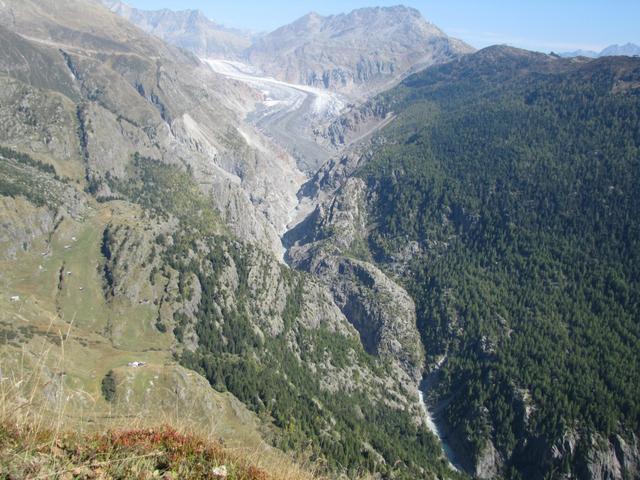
x: 517, y: 176
x: 69, y: 340
x: 269, y: 353
x: 135, y: 454
x: 146, y: 279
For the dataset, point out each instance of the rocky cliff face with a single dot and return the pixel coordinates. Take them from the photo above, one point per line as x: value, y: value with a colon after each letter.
x: 331, y: 244
x: 357, y: 53
x: 353, y: 126
x: 577, y: 453
x: 124, y: 92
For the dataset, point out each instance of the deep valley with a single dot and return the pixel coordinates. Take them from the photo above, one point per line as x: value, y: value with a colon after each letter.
x: 399, y: 259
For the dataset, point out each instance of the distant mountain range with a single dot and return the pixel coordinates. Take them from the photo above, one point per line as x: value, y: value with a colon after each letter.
x: 629, y: 50
x: 358, y: 53
x: 188, y: 29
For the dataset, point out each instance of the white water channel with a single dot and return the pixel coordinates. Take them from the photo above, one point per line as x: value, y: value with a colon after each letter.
x: 434, y: 415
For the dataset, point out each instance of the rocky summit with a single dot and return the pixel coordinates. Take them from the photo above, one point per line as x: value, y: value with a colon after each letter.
x: 360, y: 52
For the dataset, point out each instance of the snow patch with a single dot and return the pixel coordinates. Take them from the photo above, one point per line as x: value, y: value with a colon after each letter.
x: 272, y: 103
x: 325, y: 103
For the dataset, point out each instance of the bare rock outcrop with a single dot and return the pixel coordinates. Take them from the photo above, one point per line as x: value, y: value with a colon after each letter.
x: 329, y: 245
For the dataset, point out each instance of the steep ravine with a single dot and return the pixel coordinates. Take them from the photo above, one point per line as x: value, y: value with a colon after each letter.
x: 288, y: 114
x: 379, y: 308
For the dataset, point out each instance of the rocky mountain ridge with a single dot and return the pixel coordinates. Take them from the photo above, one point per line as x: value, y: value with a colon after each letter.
x: 355, y: 54
x: 188, y: 29
x: 358, y: 53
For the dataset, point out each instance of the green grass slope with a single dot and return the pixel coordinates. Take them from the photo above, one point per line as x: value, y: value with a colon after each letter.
x: 61, y: 335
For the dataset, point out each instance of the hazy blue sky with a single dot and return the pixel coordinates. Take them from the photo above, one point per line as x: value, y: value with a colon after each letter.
x: 545, y: 25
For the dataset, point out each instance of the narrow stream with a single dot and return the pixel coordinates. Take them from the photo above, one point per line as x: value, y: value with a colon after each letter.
x: 435, y: 425
x: 436, y: 422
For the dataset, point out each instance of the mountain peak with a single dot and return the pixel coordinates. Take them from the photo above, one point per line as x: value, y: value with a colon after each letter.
x: 394, y: 9
x: 628, y: 49
x: 402, y: 10
x: 197, y: 15
x: 311, y: 18
x: 507, y: 50
x: 396, y: 12
x: 313, y: 15
x: 188, y: 29
x: 359, y: 51
x: 361, y: 16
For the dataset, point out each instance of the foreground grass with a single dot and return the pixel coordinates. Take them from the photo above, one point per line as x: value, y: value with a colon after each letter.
x: 43, y: 436
x: 39, y: 443
x: 135, y: 454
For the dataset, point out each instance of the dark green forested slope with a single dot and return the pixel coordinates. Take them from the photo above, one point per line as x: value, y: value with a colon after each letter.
x: 518, y: 174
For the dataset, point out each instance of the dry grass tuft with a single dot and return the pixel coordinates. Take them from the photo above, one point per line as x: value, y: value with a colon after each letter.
x: 40, y: 439
x: 137, y: 454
